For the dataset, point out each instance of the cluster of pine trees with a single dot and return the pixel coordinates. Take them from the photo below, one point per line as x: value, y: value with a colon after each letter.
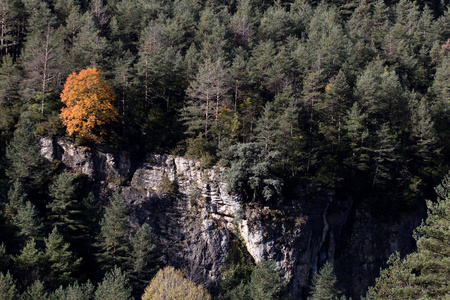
x: 348, y: 95
x: 352, y: 95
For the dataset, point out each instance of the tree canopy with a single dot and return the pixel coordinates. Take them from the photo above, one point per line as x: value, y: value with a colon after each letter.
x: 89, y: 104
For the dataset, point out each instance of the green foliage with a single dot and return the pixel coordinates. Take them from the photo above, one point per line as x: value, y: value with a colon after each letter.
x: 143, y: 259
x: 265, y: 281
x: 65, y: 208
x: 24, y: 161
x: 201, y: 148
x: 114, y: 286
x: 324, y: 284
x: 252, y: 173
x: 237, y: 270
x: 168, y: 187
x: 27, y: 220
x: 244, y: 280
x: 424, y: 273
x: 113, y: 240
x: 35, y: 292
x: 31, y: 261
x: 8, y: 289
x: 74, y: 292
x: 60, y: 259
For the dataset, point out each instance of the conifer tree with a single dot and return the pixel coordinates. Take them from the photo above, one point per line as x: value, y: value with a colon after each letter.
x: 16, y: 198
x: 424, y: 273
x: 42, y: 58
x: 265, y: 283
x: 113, y: 239
x: 114, y: 286
x: 60, y: 259
x: 142, y: 254
x: 4, y: 258
x: 206, y: 97
x: 27, y: 220
x: 30, y: 260
x: 9, y: 80
x: 65, y: 208
x: 324, y: 284
x: 36, y: 291
x: 23, y: 154
x: 75, y: 291
x: 8, y: 289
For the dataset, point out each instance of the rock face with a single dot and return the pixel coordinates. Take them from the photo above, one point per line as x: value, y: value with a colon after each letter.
x: 194, y: 228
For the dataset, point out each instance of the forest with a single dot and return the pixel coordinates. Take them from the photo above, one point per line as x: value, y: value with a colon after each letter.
x: 351, y: 95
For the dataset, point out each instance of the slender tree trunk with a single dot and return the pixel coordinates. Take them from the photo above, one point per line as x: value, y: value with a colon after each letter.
x: 44, y: 69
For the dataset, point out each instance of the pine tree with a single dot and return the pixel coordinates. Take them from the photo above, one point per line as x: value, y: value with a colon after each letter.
x: 4, y: 258
x: 30, y: 261
x: 88, y: 45
x: 9, y: 81
x: 23, y: 154
x: 35, y: 292
x: 60, y: 259
x: 113, y: 239
x: 265, y: 283
x: 65, y: 208
x: 324, y: 284
x: 16, y: 198
x: 114, y: 286
x: 206, y: 94
x: 43, y: 55
x: 27, y: 220
x: 142, y: 255
x: 8, y: 289
x: 75, y: 292
x: 424, y: 274
x: 432, y: 258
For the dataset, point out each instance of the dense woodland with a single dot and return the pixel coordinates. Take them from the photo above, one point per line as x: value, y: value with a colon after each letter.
x: 354, y: 96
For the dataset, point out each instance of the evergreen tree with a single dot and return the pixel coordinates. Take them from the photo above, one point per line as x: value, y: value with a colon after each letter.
x: 265, y: 281
x: 252, y: 173
x: 206, y: 97
x: 8, y: 289
x: 4, y: 258
x: 16, y: 198
x: 114, y: 286
x: 113, y: 239
x: 267, y: 128
x: 65, y: 208
x: 35, y: 292
x: 356, y: 134
x: 88, y: 44
x: 142, y: 254
x: 27, y: 220
x: 60, y: 259
x: 23, y: 154
x: 324, y: 284
x: 9, y: 80
x: 30, y: 261
x: 424, y: 273
x: 43, y: 56
x: 75, y: 292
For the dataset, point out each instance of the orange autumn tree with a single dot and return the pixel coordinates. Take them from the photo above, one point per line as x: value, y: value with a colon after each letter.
x: 88, y: 99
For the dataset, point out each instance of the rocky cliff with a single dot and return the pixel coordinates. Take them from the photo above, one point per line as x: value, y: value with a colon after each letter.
x: 194, y: 227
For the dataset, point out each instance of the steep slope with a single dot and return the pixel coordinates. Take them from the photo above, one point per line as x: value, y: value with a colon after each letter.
x: 194, y: 227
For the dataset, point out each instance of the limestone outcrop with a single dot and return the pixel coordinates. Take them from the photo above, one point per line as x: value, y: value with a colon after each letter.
x: 194, y: 227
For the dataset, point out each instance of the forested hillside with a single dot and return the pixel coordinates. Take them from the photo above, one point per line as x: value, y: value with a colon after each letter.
x: 351, y: 96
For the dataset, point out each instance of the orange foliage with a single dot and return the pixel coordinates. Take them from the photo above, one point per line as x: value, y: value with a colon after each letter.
x: 88, y: 99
